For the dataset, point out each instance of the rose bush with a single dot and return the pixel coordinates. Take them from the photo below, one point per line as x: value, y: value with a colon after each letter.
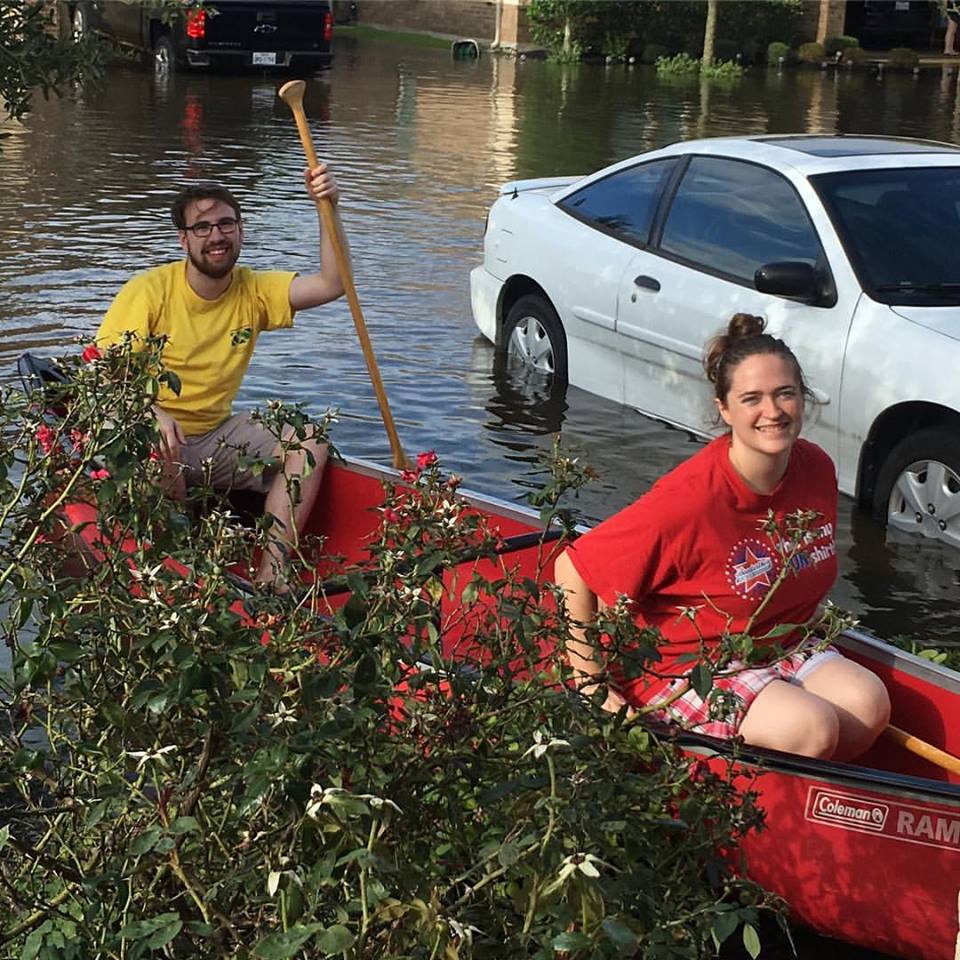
x: 192, y: 769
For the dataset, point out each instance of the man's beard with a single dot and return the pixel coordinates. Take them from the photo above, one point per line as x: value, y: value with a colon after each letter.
x: 214, y: 272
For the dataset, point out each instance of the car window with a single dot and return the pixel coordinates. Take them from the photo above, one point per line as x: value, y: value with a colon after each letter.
x: 624, y: 202
x: 900, y: 228
x: 733, y: 217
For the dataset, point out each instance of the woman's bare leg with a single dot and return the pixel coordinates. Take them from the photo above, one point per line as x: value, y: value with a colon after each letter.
x: 786, y: 717
x: 859, y: 698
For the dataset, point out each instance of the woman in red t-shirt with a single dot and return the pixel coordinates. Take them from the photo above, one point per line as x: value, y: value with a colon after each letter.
x: 696, y: 542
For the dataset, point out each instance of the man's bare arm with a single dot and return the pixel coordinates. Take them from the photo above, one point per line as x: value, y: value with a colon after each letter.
x: 310, y: 290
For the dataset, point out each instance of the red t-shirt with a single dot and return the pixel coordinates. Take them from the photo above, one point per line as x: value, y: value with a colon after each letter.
x: 697, y: 534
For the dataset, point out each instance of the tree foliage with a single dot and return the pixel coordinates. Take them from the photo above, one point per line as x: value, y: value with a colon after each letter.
x: 187, y: 770
x: 35, y: 56
x: 678, y: 25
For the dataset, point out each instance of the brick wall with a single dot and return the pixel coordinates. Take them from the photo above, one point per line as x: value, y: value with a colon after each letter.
x: 452, y: 18
x: 455, y: 18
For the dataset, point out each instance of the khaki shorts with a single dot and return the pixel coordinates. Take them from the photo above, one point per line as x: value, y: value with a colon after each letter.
x: 235, y: 437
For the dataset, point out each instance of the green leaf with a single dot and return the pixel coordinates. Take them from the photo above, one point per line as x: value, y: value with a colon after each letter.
x: 164, y: 934
x: 144, y: 844
x: 281, y: 945
x: 571, y: 941
x: 184, y: 825
x: 622, y: 937
x: 171, y: 380
x: 725, y: 924
x: 508, y: 854
x: 335, y: 939
x: 701, y: 679
x: 156, y: 932
x: 365, y: 676
x: 751, y: 940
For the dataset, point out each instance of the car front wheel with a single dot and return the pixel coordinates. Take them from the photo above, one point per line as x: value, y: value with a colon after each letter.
x: 533, y: 337
x: 918, y: 487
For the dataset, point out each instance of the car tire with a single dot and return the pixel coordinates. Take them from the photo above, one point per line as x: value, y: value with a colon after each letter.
x: 164, y: 55
x: 918, y: 487
x: 533, y: 337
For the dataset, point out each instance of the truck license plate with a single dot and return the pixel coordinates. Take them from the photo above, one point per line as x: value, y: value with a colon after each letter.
x: 265, y: 59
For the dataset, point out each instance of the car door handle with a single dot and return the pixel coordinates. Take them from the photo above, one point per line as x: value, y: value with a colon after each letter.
x: 648, y: 283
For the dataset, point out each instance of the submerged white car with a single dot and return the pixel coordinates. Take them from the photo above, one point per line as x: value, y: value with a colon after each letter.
x: 849, y: 246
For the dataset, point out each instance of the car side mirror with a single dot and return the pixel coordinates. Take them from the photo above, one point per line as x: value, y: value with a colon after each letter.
x: 789, y: 278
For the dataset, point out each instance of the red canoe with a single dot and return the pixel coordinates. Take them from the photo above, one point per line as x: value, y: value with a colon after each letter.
x: 868, y: 853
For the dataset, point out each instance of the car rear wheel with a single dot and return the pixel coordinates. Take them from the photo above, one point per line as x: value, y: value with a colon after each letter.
x: 533, y: 337
x: 918, y: 487
x: 164, y: 55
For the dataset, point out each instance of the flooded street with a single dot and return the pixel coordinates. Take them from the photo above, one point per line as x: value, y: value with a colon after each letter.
x: 420, y: 143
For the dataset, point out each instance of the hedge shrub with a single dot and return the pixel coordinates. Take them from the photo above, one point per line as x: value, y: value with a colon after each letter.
x: 811, y: 53
x: 778, y: 49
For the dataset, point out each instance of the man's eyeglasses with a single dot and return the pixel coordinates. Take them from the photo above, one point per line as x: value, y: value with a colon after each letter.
x: 203, y: 228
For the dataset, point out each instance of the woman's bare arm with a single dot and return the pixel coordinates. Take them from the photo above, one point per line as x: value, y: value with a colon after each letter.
x: 582, y: 605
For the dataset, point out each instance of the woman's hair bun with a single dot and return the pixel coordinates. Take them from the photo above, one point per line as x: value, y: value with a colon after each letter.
x: 743, y: 325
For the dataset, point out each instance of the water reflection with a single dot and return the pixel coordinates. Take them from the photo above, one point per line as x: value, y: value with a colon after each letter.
x: 420, y: 143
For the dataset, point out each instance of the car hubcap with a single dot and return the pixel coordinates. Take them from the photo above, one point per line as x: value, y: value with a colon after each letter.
x: 530, y: 344
x: 926, y: 500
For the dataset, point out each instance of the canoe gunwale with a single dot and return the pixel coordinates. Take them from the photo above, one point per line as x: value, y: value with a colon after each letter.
x: 862, y: 642
x: 849, y: 774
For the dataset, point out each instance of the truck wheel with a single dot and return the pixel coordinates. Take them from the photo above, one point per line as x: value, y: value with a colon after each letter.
x: 533, y: 337
x: 918, y: 487
x: 164, y: 55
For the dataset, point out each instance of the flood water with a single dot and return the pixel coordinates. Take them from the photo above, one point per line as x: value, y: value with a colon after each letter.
x: 420, y: 143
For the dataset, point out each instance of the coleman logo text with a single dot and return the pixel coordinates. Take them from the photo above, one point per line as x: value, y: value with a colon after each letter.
x: 842, y: 808
x: 904, y: 822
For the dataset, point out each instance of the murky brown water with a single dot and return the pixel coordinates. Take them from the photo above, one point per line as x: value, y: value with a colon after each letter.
x: 420, y: 142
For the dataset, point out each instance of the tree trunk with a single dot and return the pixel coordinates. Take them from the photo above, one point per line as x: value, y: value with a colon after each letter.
x: 567, y: 35
x: 709, y: 33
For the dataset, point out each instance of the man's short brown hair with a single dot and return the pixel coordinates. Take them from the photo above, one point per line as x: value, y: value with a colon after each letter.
x: 200, y: 191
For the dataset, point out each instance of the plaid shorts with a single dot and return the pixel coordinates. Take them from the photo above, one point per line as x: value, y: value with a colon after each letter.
x: 692, y: 712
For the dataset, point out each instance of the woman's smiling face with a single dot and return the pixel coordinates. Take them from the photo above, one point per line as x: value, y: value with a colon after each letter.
x: 764, y: 405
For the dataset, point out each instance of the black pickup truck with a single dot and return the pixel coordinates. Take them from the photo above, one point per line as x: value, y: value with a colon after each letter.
x: 292, y: 35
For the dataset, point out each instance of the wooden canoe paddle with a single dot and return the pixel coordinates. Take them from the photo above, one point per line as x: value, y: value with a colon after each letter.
x: 923, y: 749
x: 292, y: 94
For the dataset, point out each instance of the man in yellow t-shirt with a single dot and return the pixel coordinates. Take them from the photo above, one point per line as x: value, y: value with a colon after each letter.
x: 212, y: 312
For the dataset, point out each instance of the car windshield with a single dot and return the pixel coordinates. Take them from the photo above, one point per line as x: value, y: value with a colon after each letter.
x: 901, y: 230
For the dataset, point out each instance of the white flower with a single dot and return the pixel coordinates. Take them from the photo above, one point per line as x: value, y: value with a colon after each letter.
x: 541, y: 745
x: 584, y: 862
x: 283, y: 714
x: 336, y: 796
x: 143, y: 756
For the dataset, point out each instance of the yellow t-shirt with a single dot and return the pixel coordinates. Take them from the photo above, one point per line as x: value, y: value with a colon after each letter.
x: 210, y: 342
